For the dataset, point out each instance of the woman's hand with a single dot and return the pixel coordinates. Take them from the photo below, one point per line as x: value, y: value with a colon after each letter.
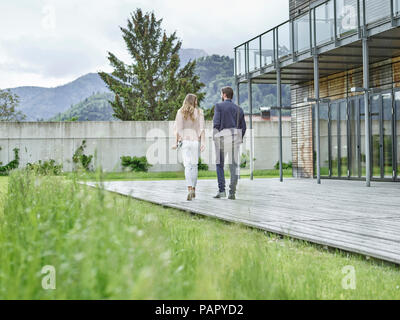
x: 202, y: 147
x: 179, y: 140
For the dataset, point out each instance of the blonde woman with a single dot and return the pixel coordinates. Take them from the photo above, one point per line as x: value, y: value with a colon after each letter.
x: 190, y: 134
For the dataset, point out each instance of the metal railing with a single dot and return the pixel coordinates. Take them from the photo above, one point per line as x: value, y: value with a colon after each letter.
x: 323, y: 23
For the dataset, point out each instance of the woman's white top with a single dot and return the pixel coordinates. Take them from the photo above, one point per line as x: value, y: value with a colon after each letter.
x: 188, y: 129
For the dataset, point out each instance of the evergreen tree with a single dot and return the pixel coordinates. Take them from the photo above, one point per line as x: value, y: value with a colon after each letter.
x: 153, y: 86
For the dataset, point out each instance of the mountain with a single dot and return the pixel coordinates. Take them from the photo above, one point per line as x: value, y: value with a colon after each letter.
x: 191, y: 54
x: 93, y: 108
x: 43, y: 103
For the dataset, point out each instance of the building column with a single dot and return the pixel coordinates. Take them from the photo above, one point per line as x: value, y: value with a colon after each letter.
x: 279, y: 105
x: 317, y: 125
x: 250, y: 90
x: 238, y: 103
x: 366, y: 110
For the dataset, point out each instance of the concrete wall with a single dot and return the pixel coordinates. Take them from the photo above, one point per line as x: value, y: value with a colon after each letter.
x: 111, y: 140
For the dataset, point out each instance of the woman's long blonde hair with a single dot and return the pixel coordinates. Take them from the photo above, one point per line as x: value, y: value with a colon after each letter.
x: 189, y: 106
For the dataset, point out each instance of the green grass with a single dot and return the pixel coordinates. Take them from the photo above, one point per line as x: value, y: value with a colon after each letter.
x: 180, y: 175
x: 106, y: 246
x: 3, y: 192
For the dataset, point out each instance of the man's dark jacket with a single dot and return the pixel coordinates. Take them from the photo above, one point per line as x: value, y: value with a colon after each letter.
x: 225, y: 117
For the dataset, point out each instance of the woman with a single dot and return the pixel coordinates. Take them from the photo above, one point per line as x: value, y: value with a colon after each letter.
x: 189, y: 130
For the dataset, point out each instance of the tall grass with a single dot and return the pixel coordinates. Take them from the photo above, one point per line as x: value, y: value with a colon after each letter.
x: 105, y: 246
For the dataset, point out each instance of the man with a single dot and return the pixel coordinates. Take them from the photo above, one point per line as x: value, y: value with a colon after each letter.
x: 229, y: 130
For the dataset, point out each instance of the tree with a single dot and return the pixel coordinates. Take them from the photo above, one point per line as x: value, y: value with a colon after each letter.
x: 153, y: 86
x: 8, y: 107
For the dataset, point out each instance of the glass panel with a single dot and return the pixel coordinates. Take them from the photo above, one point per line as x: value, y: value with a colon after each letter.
x: 346, y: 13
x: 284, y: 40
x: 376, y: 10
x: 354, y: 146
x: 375, y: 130
x: 397, y: 98
x: 241, y: 60
x: 387, y: 134
x: 324, y: 142
x: 334, y: 114
x: 267, y: 45
x: 302, y: 33
x: 324, y: 22
x: 396, y: 7
x: 362, y: 137
x: 343, y: 139
x: 254, y: 54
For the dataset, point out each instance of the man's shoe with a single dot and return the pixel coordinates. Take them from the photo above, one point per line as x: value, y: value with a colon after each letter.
x: 220, y: 195
x: 232, y: 196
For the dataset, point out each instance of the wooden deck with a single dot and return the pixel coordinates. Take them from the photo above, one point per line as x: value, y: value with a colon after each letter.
x: 340, y: 214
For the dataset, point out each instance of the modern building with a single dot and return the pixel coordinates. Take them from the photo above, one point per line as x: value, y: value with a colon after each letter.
x: 342, y: 60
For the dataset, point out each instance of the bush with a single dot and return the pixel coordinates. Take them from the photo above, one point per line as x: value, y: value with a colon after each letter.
x: 137, y: 164
x: 284, y: 165
x: 48, y: 167
x: 14, y: 164
x: 202, y: 166
x: 80, y: 159
x: 245, y: 159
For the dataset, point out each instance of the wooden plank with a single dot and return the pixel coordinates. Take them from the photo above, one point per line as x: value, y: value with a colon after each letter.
x: 341, y: 214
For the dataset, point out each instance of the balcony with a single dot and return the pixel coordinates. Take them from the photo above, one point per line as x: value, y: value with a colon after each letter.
x: 331, y: 29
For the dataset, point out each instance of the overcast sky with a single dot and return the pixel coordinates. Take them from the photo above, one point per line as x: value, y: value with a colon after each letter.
x: 51, y: 42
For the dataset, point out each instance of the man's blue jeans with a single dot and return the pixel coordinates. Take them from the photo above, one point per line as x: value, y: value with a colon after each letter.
x: 224, y: 148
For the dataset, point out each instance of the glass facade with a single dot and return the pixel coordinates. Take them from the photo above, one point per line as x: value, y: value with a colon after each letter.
x: 354, y: 134
x: 302, y: 33
x: 342, y: 140
x: 397, y: 132
x: 362, y: 137
x: 241, y: 60
x: 284, y: 43
x: 396, y: 7
x: 267, y: 48
x: 324, y: 23
x: 376, y: 10
x: 320, y: 24
x: 334, y: 134
x: 387, y: 148
x: 375, y: 138
x: 343, y: 156
x: 254, y: 55
x: 324, y: 140
x: 347, y: 17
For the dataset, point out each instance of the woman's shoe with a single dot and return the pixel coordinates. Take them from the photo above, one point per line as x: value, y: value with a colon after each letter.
x: 194, y: 193
x: 190, y: 194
